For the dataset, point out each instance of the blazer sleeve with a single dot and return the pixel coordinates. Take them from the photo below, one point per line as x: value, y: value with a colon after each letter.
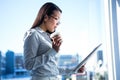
x: 63, y: 71
x: 31, y: 44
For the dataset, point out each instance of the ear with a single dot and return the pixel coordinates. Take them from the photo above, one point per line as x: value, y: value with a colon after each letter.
x: 46, y: 18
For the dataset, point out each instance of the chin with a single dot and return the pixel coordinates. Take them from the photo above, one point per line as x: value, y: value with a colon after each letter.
x: 50, y: 32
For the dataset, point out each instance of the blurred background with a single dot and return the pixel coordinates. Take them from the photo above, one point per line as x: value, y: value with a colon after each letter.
x: 84, y: 25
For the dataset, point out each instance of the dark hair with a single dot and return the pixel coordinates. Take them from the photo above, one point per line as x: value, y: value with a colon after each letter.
x: 46, y: 9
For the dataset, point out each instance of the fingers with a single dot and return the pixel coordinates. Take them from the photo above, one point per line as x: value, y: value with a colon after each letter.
x: 57, y: 40
x: 82, y: 69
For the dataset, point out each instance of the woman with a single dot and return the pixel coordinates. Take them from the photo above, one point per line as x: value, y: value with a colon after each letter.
x: 39, y: 49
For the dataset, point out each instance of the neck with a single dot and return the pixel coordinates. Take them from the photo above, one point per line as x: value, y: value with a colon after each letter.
x: 42, y: 26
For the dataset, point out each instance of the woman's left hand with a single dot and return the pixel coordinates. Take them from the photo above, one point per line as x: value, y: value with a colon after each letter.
x: 56, y: 42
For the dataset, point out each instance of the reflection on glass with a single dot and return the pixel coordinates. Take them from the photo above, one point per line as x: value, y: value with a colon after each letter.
x: 82, y: 28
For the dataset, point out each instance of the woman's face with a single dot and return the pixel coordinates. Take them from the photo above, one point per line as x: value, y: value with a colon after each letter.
x: 53, y: 21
